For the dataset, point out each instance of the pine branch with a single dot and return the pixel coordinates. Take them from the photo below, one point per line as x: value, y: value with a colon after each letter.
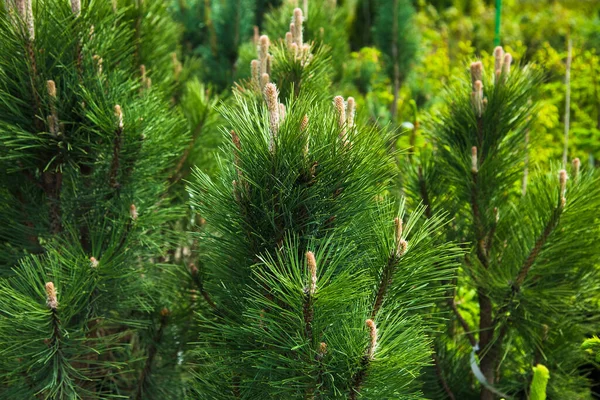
x: 462, y: 321
x: 199, y: 284
x: 440, y: 376
x: 117, y: 143
x: 424, y: 193
x: 360, y: 375
x: 152, y: 350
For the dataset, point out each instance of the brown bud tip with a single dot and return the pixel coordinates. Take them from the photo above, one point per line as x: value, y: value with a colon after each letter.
x: 143, y: 71
x: 323, y: 348
x: 236, y: 140
x: 119, y: 115
x: 312, y: 269
x: 474, y: 159
x: 93, y: 262
x: 51, y: 88
x: 165, y: 312
x: 133, y: 212
x: 304, y: 123
x: 478, y: 86
x: 402, y: 247
x: 51, y: 299
x: 373, y: 334
x: 289, y: 39
x: 193, y: 269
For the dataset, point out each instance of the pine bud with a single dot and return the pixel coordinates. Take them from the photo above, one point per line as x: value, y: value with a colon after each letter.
x: 289, y: 39
x: 322, y: 350
x: 93, y: 262
x: 177, y: 67
x: 306, y: 54
x: 263, y: 53
x: 303, y: 127
x: 312, y: 269
x: 76, y: 7
x: 476, y: 72
x: 281, y: 112
x: 351, y: 112
x: 133, y: 212
x: 254, y: 67
x: 297, y: 32
x: 51, y: 86
x: 27, y: 16
x: 269, y: 61
x: 236, y: 140
x: 98, y: 60
x: 373, y: 334
x: 398, y: 226
x: 498, y: 59
x: 340, y: 107
x: 477, y: 98
x: 264, y: 80
x: 272, y: 99
x: 51, y: 299
x: 562, y: 178
x: 294, y: 50
x: 506, y: 64
x: 304, y: 123
x: 119, y: 115
x: 576, y: 167
x: 474, y: 168
x: 256, y: 35
x: 165, y: 312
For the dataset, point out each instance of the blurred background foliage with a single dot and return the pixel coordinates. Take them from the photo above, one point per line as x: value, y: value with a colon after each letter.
x: 434, y: 40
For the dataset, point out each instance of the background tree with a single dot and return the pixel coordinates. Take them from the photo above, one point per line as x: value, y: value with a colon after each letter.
x: 531, y: 283
x: 87, y: 144
x: 397, y: 38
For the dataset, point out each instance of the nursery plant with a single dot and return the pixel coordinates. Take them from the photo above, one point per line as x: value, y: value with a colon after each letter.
x: 525, y: 289
x: 87, y: 143
x: 315, y: 283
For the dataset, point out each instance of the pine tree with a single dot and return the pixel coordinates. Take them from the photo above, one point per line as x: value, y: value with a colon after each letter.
x: 397, y: 38
x: 325, y: 24
x: 87, y: 143
x: 530, y: 262
x: 315, y: 284
x: 214, y: 31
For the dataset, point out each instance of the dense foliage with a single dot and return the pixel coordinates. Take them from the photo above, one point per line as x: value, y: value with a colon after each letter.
x: 242, y: 199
